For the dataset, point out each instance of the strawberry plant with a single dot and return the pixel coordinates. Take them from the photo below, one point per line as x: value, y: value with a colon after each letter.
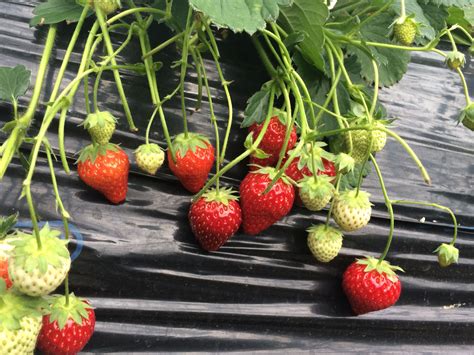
x: 313, y: 132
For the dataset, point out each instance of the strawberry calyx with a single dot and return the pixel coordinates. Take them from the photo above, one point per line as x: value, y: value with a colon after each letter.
x: 224, y: 195
x: 60, y: 311
x: 316, y: 189
x: 321, y: 231
x: 53, y: 250
x: 183, y: 144
x: 272, y: 173
x: 344, y: 163
x: 14, y: 307
x: 382, y: 267
x: 447, y: 254
x: 316, y: 151
x: 99, y: 118
x: 93, y: 151
x: 7, y: 224
x: 151, y: 148
x: 455, y: 60
x: 350, y: 199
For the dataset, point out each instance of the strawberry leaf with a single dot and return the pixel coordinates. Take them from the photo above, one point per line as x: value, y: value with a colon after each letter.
x: 257, y: 106
x: 55, y: 11
x: 307, y: 16
x: 13, y: 82
x: 6, y: 224
x: 240, y: 15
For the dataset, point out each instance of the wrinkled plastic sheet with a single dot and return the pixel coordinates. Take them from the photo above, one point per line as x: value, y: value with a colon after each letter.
x: 156, y: 291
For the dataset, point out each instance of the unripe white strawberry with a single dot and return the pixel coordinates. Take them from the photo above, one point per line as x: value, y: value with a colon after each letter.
x: 352, y: 212
x: 149, y: 157
x: 101, y: 126
x: 316, y: 193
x: 379, y: 138
x: 38, y: 272
x: 324, y: 242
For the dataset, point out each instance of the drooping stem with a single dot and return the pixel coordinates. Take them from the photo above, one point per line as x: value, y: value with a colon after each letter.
x: 290, y: 120
x: 264, y: 57
x: 388, y: 203
x: 464, y: 85
x: 23, y: 123
x: 247, y: 152
x: 199, y: 79
x: 150, y: 123
x: 163, y: 45
x: 331, y: 207
x: 213, y: 116
x: 402, y: 9
x: 134, y: 11
x: 118, y: 80
x: 96, y: 90
x: 435, y: 205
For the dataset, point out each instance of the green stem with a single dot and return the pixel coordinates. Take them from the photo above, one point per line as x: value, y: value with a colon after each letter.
x: 402, y: 9
x: 133, y: 11
x: 86, y: 95
x: 331, y: 207
x: 184, y: 67
x: 264, y: 57
x: 289, y: 124
x: 34, y: 218
x: 16, y: 136
x: 435, y: 205
x: 376, y: 88
x: 199, y: 79
x: 453, y: 42
x: 246, y: 153
x: 163, y: 45
x: 273, y: 50
x: 388, y: 203
x: 62, y: 119
x: 225, y: 84
x: 96, y: 90
x: 150, y: 122
x: 118, y: 80
x: 464, y: 85
x: 213, y: 116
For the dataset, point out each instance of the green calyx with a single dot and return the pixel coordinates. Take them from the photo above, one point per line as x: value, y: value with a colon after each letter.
x: 6, y: 224
x: 447, y: 254
x: 224, y: 195
x: 151, y: 148
x: 313, y: 150
x: 53, y: 252
x: 467, y: 116
x: 344, y: 163
x: 455, y: 60
x: 272, y: 173
x: 316, y: 189
x: 98, y: 119
x: 14, y: 307
x: 183, y: 144
x: 61, y: 311
x: 321, y: 231
x: 352, y: 200
x: 92, y: 151
x: 383, y: 267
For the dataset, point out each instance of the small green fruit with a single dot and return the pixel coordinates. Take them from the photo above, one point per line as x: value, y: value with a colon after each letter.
x: 447, y: 254
x: 405, y: 30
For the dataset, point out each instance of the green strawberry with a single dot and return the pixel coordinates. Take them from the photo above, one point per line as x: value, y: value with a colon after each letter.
x: 324, y: 242
x: 352, y: 212
x: 101, y: 126
x: 38, y: 272
x: 107, y: 6
x: 455, y: 60
x: 447, y: 254
x: 379, y: 138
x: 467, y: 116
x: 405, y: 30
x: 316, y: 193
x: 20, y: 323
x: 149, y: 157
x: 361, y: 139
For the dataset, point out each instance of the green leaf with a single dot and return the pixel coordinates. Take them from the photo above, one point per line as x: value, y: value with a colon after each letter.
x: 458, y: 3
x: 350, y: 180
x: 257, y: 106
x: 13, y: 82
x: 6, y: 224
x: 55, y: 11
x: 179, y: 12
x: 240, y: 15
x: 307, y: 16
x: 392, y: 63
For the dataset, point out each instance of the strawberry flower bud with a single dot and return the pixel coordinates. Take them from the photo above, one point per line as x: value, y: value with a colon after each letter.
x: 447, y: 254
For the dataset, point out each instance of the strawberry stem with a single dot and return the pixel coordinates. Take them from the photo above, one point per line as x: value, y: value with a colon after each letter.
x: 290, y: 120
x: 118, y: 80
x: 264, y: 57
x: 163, y: 45
x: 331, y: 207
x: 135, y: 10
x: 403, y: 13
x: 200, y: 64
x: 213, y: 49
x: 15, y: 139
x: 388, y: 203
x: 435, y: 205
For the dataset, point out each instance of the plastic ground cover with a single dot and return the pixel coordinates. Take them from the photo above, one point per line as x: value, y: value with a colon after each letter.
x: 156, y: 291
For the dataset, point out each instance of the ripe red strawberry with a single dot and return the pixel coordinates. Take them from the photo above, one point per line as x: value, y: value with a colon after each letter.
x: 214, y: 218
x: 66, y: 329
x: 4, y: 272
x: 194, y: 160
x: 370, y: 285
x: 260, y: 211
x: 272, y: 141
x: 105, y: 168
